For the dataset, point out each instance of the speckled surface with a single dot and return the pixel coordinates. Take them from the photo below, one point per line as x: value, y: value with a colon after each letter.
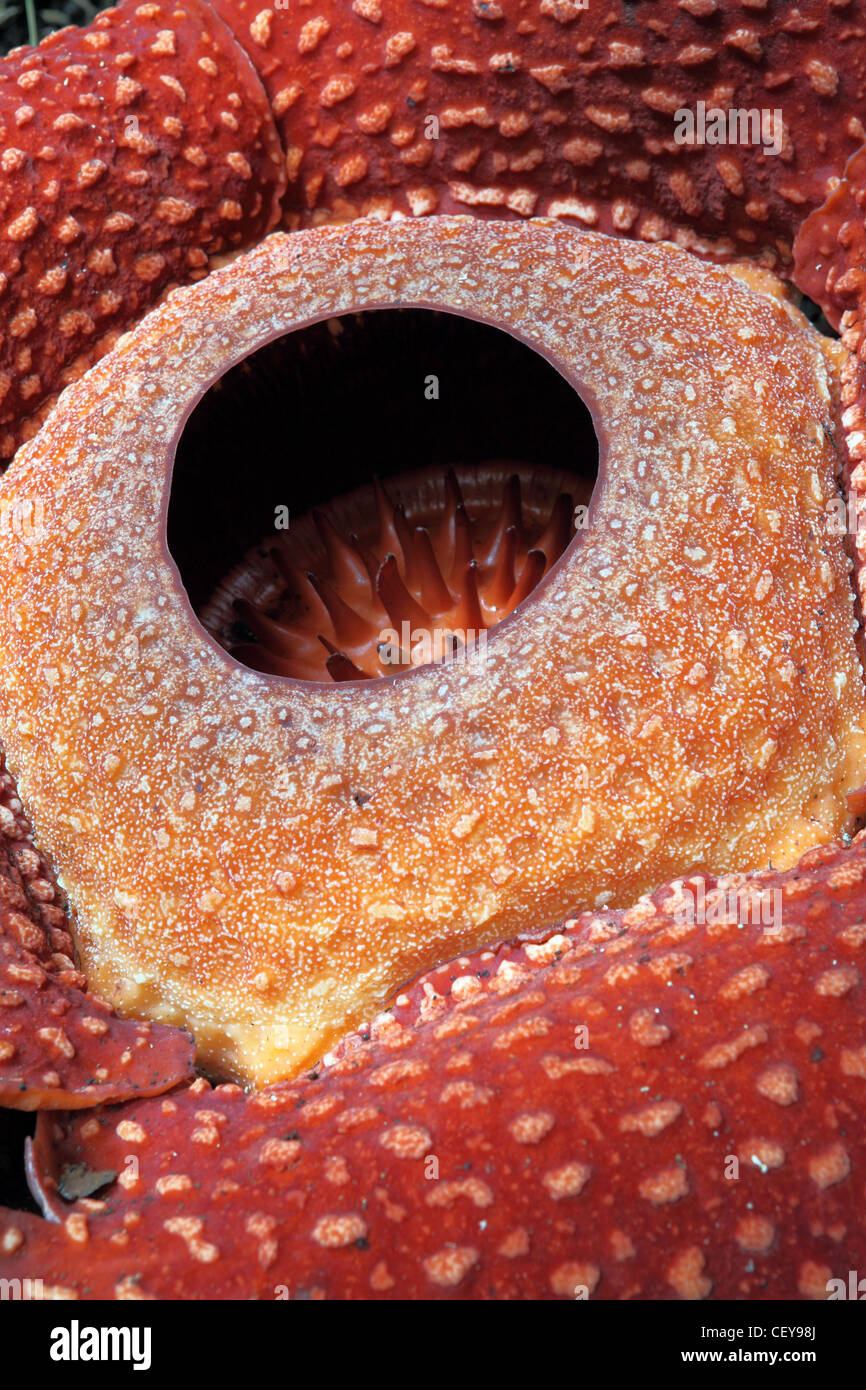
x: 60, y: 1045
x: 133, y: 151
x: 689, y: 686
x: 557, y: 108
x: 642, y: 1106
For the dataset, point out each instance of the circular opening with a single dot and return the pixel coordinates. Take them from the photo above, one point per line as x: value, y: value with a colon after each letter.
x: 377, y: 491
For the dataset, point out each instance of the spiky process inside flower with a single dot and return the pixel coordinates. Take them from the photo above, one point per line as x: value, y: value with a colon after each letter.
x: 387, y: 578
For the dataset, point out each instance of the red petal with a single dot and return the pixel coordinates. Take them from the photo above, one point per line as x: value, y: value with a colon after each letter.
x: 559, y: 108
x: 133, y: 151
x: 640, y: 1106
x: 59, y: 1045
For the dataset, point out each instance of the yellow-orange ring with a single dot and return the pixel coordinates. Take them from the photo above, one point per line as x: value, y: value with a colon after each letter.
x: 682, y: 687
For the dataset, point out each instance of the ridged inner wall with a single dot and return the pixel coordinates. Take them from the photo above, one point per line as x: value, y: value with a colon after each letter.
x: 322, y: 411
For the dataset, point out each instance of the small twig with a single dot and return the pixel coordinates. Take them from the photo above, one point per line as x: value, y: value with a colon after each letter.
x: 32, y: 27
